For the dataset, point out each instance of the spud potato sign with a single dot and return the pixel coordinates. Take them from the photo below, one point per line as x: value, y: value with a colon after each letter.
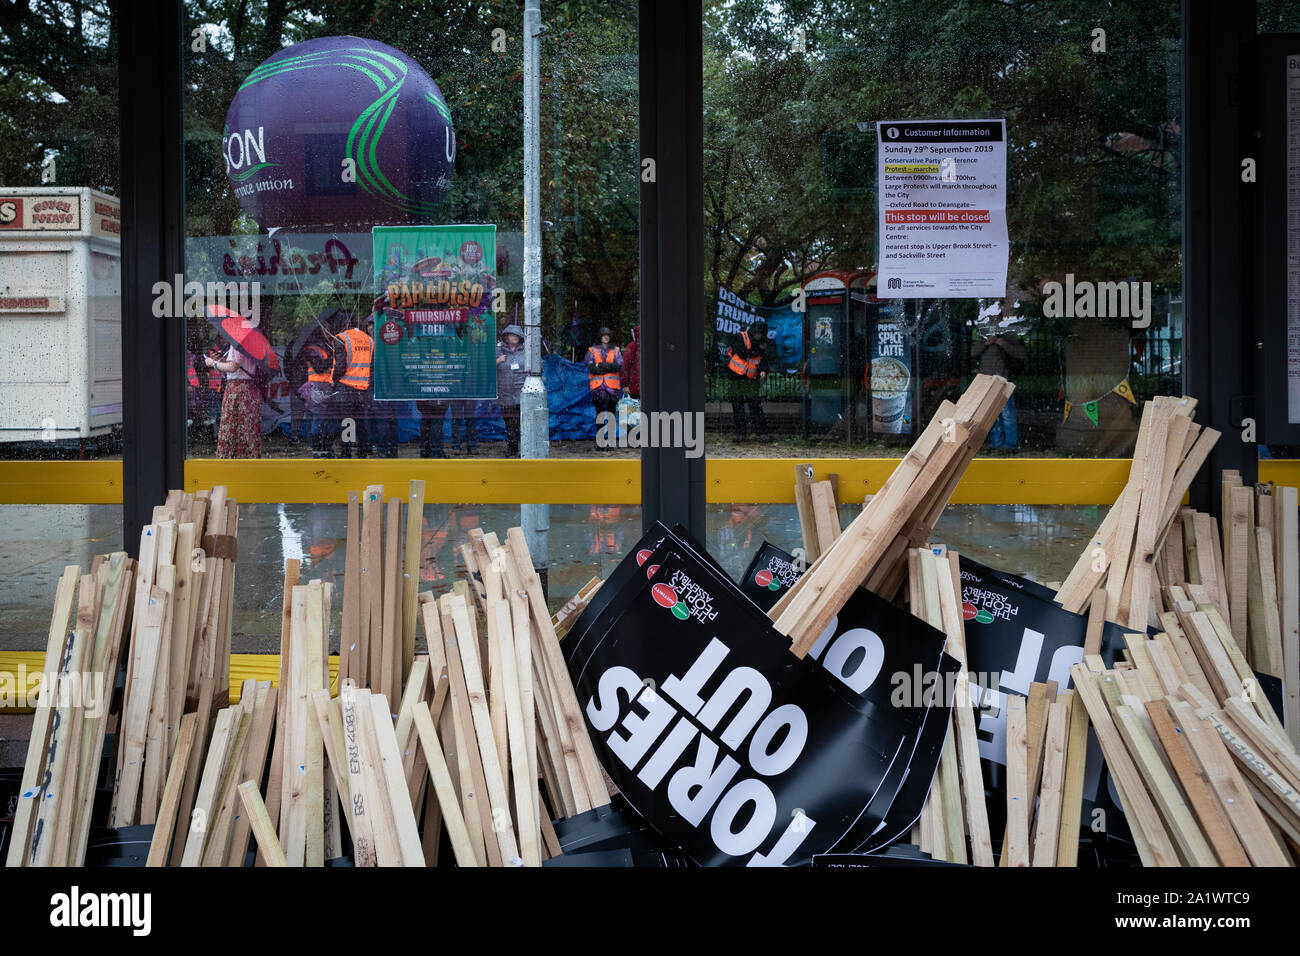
x: 731, y: 746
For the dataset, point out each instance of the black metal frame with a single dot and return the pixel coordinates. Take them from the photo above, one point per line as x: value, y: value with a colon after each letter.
x: 672, y: 244
x: 1215, y: 291
x: 1267, y: 234
x: 153, y: 229
x: 672, y: 250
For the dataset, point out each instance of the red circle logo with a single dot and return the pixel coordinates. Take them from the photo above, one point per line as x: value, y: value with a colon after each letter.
x: 968, y: 611
x: 471, y: 252
x: 763, y: 578
x: 391, y: 332
x: 642, y: 555
x: 664, y: 595
x: 650, y: 571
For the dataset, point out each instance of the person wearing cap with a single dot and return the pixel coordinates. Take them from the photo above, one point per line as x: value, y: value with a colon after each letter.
x: 603, y: 365
x: 746, y: 371
x: 511, y: 372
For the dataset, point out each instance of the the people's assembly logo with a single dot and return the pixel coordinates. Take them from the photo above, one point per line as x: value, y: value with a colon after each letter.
x: 665, y: 596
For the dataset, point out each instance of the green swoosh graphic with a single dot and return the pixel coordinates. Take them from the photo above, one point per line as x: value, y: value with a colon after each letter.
x: 388, y: 73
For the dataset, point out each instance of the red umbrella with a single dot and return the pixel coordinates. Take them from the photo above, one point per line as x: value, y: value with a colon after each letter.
x: 236, y: 330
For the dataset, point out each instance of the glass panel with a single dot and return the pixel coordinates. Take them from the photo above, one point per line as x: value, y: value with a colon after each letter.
x: 36, y: 543
x: 792, y: 98
x: 584, y: 541
x: 1036, y: 541
x: 60, y: 233
x: 1277, y: 16
x: 308, y: 125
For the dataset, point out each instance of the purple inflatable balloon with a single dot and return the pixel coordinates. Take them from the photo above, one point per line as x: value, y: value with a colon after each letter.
x: 339, y: 132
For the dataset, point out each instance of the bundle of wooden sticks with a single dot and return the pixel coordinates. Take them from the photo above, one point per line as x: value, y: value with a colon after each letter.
x: 172, y: 610
x: 872, y: 551
x: 467, y: 733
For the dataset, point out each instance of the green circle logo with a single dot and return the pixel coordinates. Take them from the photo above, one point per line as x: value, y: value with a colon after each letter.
x: 680, y: 611
x: 984, y: 617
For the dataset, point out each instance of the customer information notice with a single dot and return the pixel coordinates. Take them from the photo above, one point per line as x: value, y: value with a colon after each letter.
x: 943, y: 209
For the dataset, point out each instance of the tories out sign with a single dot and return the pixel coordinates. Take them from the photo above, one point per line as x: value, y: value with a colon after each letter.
x: 725, y: 741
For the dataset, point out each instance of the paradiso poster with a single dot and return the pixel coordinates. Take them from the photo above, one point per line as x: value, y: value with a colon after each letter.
x: 435, y: 332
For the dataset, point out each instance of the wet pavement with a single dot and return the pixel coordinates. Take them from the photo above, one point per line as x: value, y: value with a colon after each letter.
x: 38, y: 541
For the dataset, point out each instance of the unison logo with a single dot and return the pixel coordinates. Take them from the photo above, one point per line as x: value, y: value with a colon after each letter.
x: 1086, y: 300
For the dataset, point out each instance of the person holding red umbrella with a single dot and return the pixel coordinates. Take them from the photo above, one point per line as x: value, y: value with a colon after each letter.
x: 240, y: 432
x: 247, y: 365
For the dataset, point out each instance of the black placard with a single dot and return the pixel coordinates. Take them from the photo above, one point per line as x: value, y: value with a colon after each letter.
x: 791, y: 766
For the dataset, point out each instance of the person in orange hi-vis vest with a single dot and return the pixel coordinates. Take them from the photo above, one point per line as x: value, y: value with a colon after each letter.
x: 746, y: 372
x: 352, y: 387
x: 318, y: 394
x: 604, y: 361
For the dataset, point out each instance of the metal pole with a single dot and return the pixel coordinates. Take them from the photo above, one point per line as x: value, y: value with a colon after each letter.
x: 534, y: 420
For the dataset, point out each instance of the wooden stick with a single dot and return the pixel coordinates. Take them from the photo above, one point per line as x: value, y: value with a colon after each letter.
x: 390, y: 762
x: 1015, y: 846
x: 1049, y: 809
x: 1076, y: 752
x: 803, y: 482
x: 294, y: 783
x: 37, y: 750
x: 972, y: 777
x: 156, y: 753
x: 525, y: 788
x: 473, y: 781
x: 825, y: 514
x: 1286, y: 517
x: 363, y: 837
x: 313, y: 805
x: 259, y: 742
x: 350, y: 642
x: 229, y: 722
x: 465, y: 644
x: 441, y: 779
x: 275, y: 780
x: 268, y: 845
x: 185, y: 815
x: 219, y: 820
x: 1266, y: 636
x: 411, y: 573
x: 545, y: 640
x: 1152, y: 841
x: 1236, y: 526
x: 389, y: 683
x: 1196, y: 784
x: 113, y: 616
x: 372, y: 574
x: 335, y: 755
x: 135, y: 718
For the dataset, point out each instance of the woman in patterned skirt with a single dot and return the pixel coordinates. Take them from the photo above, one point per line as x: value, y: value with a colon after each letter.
x: 240, y: 432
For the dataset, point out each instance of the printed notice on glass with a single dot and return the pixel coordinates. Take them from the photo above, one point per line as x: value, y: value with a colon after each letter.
x: 943, y: 209
x: 1293, y: 239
